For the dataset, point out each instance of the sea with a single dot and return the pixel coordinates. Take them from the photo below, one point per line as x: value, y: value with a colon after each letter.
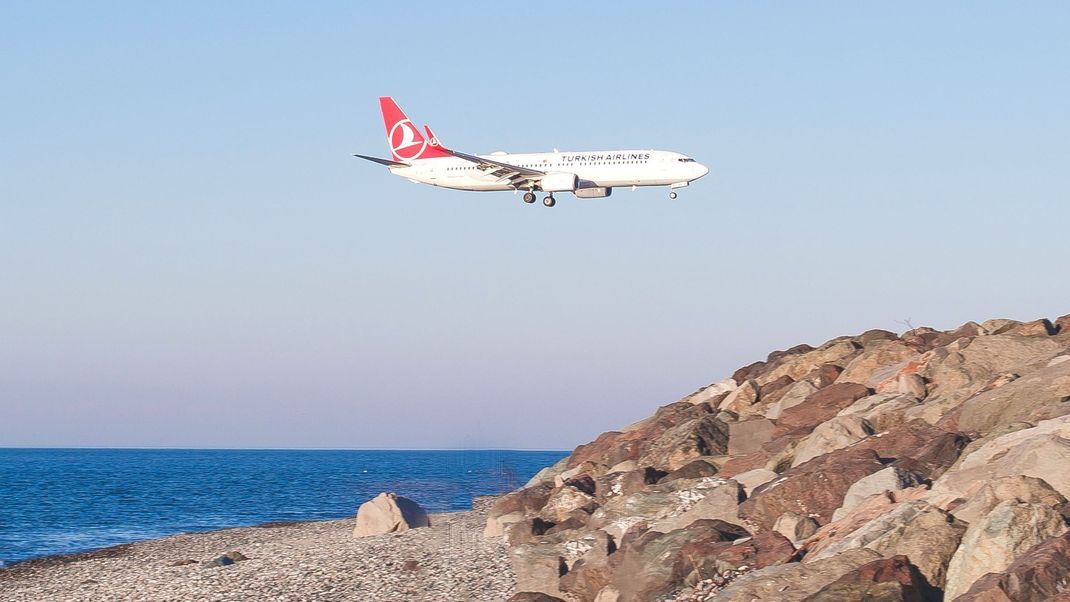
x: 57, y: 501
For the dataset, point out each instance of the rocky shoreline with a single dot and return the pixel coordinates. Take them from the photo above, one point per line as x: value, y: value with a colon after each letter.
x: 317, y: 560
x: 923, y: 466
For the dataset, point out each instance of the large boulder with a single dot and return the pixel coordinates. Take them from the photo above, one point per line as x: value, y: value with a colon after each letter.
x: 957, y: 375
x: 389, y: 513
x: 670, y: 505
x: 883, y: 411
x: 644, y: 568
x: 752, y: 479
x: 714, y: 558
x: 814, y: 489
x: 1039, y: 452
x: 990, y: 545
x: 1041, y: 573
x: 870, y: 366
x: 917, y: 446
x: 794, y: 582
x: 611, y: 448
x: 1001, y: 489
x: 892, y: 478
x: 820, y: 406
x: 927, y: 535
x: 892, y: 579
x: 539, y: 563
x: 679, y: 445
x: 789, y: 398
x: 721, y: 503
x: 835, y: 433
x: 1046, y: 390
x: 562, y: 502
x: 711, y: 392
x: 741, y: 399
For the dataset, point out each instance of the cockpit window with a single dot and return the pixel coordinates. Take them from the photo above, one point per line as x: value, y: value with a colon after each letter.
x: 686, y: 160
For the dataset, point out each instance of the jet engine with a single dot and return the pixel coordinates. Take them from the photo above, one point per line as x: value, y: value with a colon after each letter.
x: 559, y: 182
x: 594, y: 192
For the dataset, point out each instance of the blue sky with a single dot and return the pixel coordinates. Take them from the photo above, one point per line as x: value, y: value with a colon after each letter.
x: 191, y: 257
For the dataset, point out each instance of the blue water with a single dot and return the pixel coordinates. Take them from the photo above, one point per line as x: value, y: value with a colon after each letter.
x: 70, y: 500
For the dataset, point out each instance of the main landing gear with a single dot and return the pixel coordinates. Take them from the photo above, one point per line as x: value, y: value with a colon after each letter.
x: 529, y: 197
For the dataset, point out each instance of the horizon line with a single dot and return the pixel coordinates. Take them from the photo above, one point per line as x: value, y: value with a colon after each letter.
x: 142, y: 448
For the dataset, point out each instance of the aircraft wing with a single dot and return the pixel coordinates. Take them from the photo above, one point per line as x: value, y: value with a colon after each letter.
x: 518, y: 177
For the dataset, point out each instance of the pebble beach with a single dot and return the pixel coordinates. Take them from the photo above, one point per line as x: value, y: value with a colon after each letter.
x: 318, y: 560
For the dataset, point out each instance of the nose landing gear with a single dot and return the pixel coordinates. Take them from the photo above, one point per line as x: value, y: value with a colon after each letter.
x: 672, y: 195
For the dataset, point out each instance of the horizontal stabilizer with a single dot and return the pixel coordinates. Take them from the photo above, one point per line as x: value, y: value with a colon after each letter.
x: 386, y: 162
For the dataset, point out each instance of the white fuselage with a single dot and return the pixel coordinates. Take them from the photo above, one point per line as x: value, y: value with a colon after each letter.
x: 594, y: 168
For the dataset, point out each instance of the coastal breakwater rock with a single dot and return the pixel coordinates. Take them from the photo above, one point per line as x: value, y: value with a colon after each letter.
x: 389, y: 513
x: 927, y: 465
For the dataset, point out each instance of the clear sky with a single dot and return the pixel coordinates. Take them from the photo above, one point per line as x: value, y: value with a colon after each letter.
x: 189, y: 255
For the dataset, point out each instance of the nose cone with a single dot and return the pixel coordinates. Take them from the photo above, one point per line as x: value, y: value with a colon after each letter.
x: 700, y: 170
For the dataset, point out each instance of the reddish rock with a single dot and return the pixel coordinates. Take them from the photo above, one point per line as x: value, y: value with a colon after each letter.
x: 614, y: 447
x: 748, y: 372
x: 773, y: 386
x: 748, y: 436
x: 820, y: 406
x: 711, y: 558
x: 814, y: 489
x: 884, y: 580
x: 609, y: 448
x: 919, y: 447
x: 528, y: 500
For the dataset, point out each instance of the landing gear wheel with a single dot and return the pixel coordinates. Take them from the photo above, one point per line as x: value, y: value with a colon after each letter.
x: 529, y: 197
x: 672, y: 195
x: 549, y: 201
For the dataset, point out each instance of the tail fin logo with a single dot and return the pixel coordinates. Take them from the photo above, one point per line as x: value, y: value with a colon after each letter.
x: 405, y: 142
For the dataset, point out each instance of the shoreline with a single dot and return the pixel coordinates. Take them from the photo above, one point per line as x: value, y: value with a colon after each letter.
x: 298, y: 560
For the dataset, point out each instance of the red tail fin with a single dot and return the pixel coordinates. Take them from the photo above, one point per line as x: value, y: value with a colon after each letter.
x: 405, y: 140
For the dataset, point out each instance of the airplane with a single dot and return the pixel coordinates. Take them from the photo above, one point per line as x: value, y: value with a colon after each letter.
x: 589, y: 174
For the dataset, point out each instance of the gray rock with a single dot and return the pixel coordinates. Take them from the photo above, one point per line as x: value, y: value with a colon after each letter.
x: 990, y: 545
x: 892, y: 478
